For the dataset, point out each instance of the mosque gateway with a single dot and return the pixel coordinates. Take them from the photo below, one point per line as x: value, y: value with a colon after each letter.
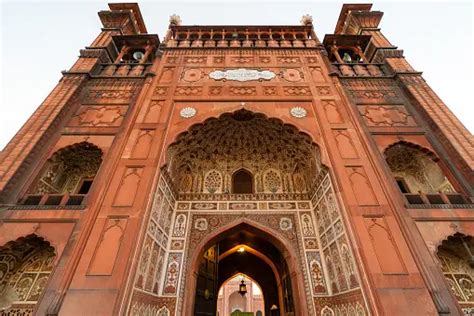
x: 238, y: 170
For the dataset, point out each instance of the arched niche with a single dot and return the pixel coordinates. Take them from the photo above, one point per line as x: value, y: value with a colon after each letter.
x: 416, y: 169
x: 205, y: 157
x: 25, y: 267
x: 69, y: 170
x: 237, y: 303
x: 242, y: 182
x: 254, y: 299
x: 456, y: 256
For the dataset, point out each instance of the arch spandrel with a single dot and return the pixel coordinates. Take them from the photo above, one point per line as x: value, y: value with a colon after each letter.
x: 284, y: 241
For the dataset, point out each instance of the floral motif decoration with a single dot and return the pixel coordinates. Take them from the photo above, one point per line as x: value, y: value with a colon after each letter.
x: 298, y: 112
x: 153, y: 255
x: 339, y: 260
x: 286, y: 223
x: 203, y: 159
x: 213, y: 182
x: 200, y: 224
x: 187, y: 112
x: 179, y: 225
x: 172, y: 273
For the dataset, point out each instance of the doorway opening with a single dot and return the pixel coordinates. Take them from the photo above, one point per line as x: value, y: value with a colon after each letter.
x: 249, y: 251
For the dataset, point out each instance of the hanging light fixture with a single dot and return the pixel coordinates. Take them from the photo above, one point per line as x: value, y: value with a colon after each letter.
x: 242, y: 288
x: 273, y: 310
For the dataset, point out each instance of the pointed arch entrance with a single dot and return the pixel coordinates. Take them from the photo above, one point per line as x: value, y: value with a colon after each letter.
x: 245, y: 246
x: 247, y: 157
x: 292, y: 202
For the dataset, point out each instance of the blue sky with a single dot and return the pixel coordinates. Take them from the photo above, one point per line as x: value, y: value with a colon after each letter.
x: 38, y: 39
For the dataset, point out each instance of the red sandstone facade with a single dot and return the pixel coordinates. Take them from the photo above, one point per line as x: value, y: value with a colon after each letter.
x: 346, y: 179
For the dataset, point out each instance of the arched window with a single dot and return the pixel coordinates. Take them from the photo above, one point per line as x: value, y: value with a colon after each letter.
x: 416, y: 169
x: 456, y: 255
x: 258, y: 313
x: 242, y: 182
x: 25, y: 266
x: 419, y: 176
x: 69, y: 171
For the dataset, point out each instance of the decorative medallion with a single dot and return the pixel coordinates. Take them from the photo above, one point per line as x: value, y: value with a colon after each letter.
x: 298, y: 112
x: 292, y: 75
x: 285, y: 223
x: 201, y: 224
x: 242, y: 74
x: 192, y: 75
x: 187, y: 112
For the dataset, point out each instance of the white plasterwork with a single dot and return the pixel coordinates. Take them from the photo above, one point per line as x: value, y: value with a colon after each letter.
x: 242, y: 74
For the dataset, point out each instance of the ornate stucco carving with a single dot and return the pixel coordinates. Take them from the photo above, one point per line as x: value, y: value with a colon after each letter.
x: 243, y: 140
x: 242, y: 74
x: 417, y: 168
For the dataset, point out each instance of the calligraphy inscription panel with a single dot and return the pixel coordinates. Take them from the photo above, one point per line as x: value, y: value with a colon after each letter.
x: 242, y: 75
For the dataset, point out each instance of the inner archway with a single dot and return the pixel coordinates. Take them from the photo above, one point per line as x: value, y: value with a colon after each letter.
x: 230, y: 301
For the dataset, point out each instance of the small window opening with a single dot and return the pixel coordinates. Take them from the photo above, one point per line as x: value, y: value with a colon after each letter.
x: 402, y: 185
x: 85, y: 186
x: 242, y: 182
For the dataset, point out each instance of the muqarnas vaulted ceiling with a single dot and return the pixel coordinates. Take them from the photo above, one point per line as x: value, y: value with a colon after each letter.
x: 279, y: 157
